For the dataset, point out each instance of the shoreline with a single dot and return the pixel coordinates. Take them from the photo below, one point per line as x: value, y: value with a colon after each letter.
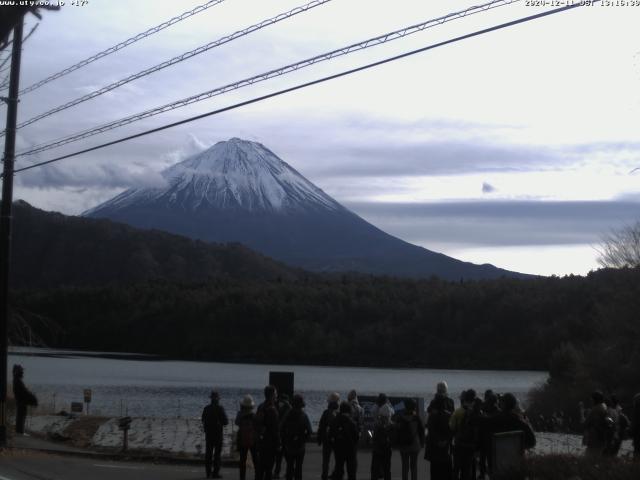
x: 72, y: 352
x: 184, y: 436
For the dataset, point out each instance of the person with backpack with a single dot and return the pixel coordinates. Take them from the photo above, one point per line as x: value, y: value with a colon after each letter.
x: 438, y: 443
x: 357, y: 412
x: 268, y: 433
x: 214, y: 418
x: 464, y: 424
x: 295, y: 431
x: 596, y: 424
x: 246, y: 438
x: 381, y: 439
x: 410, y: 438
x: 343, y: 435
x: 326, y: 419
x: 283, y: 408
x: 24, y: 398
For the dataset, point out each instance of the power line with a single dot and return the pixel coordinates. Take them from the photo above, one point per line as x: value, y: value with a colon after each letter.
x: 176, y: 60
x: 304, y: 85
x: 268, y: 75
x: 121, y: 45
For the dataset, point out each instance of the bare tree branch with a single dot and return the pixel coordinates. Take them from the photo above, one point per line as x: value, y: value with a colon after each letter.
x: 621, y: 248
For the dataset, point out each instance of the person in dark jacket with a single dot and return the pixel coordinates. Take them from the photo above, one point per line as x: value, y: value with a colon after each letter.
x: 214, y: 418
x: 595, y: 426
x: 333, y: 403
x: 246, y: 437
x: 490, y: 409
x: 283, y: 408
x: 357, y: 412
x: 465, y: 426
x: 24, y: 398
x: 511, y: 419
x: 619, y: 429
x: 410, y: 432
x: 381, y: 439
x: 268, y: 430
x: 295, y: 431
x: 438, y: 442
x: 442, y: 390
x: 343, y: 435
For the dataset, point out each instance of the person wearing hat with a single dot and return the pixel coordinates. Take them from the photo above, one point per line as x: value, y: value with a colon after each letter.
x: 246, y: 438
x: 23, y: 397
x: 442, y: 390
x: 214, y: 418
x: 295, y: 431
x: 381, y: 439
x: 438, y: 442
x: 333, y: 402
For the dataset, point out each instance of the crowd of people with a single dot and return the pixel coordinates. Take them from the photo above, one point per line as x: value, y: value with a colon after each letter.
x: 456, y: 441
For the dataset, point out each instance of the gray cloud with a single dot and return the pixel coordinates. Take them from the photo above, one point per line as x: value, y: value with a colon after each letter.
x: 92, y: 175
x: 500, y: 223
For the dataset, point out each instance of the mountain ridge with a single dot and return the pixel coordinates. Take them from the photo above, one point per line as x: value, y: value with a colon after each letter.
x: 240, y: 191
x: 55, y: 250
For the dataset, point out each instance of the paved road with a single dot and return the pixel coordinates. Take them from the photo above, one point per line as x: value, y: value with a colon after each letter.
x: 32, y: 465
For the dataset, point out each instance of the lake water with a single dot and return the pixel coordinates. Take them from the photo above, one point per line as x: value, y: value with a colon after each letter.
x: 169, y: 388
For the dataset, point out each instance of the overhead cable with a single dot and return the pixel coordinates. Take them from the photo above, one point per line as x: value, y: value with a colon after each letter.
x: 304, y: 85
x: 121, y: 45
x: 175, y: 60
x: 387, y: 37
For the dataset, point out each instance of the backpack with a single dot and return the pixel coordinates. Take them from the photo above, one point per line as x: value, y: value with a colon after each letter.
x: 260, y: 428
x: 294, y: 431
x: 405, y: 435
x: 328, y: 417
x: 338, y: 432
x: 381, y: 437
x: 467, y: 434
x: 246, y: 432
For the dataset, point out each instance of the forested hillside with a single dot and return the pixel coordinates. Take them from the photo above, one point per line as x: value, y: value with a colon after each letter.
x: 502, y: 324
x: 51, y: 250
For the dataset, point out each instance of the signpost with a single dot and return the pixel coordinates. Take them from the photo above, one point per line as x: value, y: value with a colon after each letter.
x: 507, y: 450
x: 87, y: 398
x: 283, y: 381
x: 124, y: 424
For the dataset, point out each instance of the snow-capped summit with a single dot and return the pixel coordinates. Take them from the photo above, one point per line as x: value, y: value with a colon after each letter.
x: 234, y: 174
x: 240, y: 191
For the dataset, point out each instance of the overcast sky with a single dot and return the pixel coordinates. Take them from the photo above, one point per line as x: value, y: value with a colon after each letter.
x: 515, y: 148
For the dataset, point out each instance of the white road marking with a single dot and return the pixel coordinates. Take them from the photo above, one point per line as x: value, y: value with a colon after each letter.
x: 115, y: 466
x: 4, y: 478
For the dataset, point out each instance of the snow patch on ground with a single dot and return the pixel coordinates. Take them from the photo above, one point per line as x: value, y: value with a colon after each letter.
x: 51, y: 425
x: 564, y: 443
x: 182, y: 436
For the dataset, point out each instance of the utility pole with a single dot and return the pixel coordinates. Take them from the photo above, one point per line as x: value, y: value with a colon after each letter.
x: 5, y: 221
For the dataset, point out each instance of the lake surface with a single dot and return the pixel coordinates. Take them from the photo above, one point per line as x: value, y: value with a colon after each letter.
x: 169, y: 388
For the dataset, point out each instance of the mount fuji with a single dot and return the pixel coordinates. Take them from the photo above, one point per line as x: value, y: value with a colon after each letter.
x: 240, y: 191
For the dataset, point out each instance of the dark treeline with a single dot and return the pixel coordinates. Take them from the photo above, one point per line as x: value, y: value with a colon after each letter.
x: 573, y: 326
